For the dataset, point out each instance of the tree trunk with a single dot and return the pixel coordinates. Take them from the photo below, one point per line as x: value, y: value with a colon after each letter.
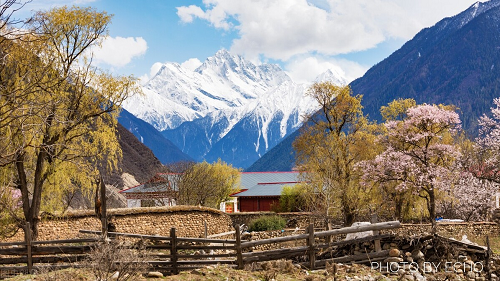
x: 31, y: 204
x: 432, y: 210
x: 33, y: 221
x: 349, y: 215
x: 398, y: 209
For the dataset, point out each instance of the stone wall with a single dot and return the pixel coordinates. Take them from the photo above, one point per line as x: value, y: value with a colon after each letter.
x: 447, y: 229
x: 188, y: 221
x: 473, y: 230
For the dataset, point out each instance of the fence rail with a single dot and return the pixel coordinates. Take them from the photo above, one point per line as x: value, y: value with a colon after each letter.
x: 188, y: 253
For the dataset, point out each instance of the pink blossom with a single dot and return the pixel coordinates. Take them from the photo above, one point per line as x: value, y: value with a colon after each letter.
x: 416, y: 157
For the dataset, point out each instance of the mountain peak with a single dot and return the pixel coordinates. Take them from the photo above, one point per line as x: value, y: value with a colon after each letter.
x: 223, y: 62
x: 334, y: 76
x: 223, y: 53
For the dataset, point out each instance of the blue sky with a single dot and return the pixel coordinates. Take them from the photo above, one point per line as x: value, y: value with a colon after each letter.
x: 305, y: 37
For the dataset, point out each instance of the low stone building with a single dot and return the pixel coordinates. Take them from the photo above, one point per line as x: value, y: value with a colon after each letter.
x: 161, y: 190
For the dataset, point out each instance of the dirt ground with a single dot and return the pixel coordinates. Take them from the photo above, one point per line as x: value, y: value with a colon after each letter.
x: 277, y: 271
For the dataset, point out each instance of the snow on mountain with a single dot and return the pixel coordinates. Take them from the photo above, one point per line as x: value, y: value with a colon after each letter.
x: 227, y: 108
x: 336, y: 77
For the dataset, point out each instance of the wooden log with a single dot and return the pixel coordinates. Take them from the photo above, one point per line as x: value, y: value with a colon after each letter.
x: 488, y: 257
x: 221, y: 234
x: 156, y: 237
x: 27, y: 237
x: 345, y: 230
x: 310, y: 244
x: 274, y: 240
x: 104, y: 213
x: 352, y: 258
x: 378, y: 247
x: 202, y: 247
x: 206, y: 256
x: 471, y: 247
x: 46, y: 250
x: 239, y: 256
x: 173, y: 251
x: 202, y: 240
x: 66, y: 241
x: 274, y: 257
x: 44, y: 259
x: 13, y: 251
x: 275, y: 254
x: 6, y: 244
x: 205, y: 241
x: 354, y: 241
x: 149, y: 237
x: 277, y: 251
x: 360, y: 228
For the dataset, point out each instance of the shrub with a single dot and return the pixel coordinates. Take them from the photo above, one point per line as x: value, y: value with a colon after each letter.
x: 114, y: 260
x: 293, y: 199
x: 267, y: 223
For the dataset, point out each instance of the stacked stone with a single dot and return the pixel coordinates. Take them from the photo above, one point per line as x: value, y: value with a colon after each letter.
x: 495, y: 268
x: 412, y: 266
x: 403, y: 264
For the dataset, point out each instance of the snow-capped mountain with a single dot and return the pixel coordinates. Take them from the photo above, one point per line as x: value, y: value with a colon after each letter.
x: 227, y: 108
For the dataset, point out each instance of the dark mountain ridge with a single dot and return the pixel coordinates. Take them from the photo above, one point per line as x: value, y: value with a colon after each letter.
x: 457, y: 61
x: 452, y: 62
x: 162, y: 148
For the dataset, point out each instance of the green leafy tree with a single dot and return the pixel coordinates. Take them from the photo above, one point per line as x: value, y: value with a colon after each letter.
x: 58, y: 114
x: 336, y: 138
x: 293, y: 199
x: 208, y: 184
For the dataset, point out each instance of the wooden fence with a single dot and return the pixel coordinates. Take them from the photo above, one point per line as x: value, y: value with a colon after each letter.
x: 19, y: 257
x: 189, y: 253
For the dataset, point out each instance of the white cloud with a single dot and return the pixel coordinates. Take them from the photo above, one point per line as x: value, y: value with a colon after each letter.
x: 155, y: 68
x: 282, y: 29
x: 217, y: 16
x: 119, y: 51
x: 306, y: 68
x: 188, y: 13
x: 191, y: 64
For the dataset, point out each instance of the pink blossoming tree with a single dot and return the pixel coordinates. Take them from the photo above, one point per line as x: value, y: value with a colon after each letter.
x: 420, y: 155
x: 473, y: 197
x: 487, y: 148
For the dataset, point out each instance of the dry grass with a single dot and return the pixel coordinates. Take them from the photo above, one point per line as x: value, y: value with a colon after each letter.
x: 276, y: 270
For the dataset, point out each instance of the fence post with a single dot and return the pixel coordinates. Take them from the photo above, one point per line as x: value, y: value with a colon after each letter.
x: 27, y: 238
x: 378, y: 247
x: 488, y: 258
x: 173, y: 251
x: 104, y: 213
x: 206, y: 229
x: 310, y: 243
x: 239, y: 255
